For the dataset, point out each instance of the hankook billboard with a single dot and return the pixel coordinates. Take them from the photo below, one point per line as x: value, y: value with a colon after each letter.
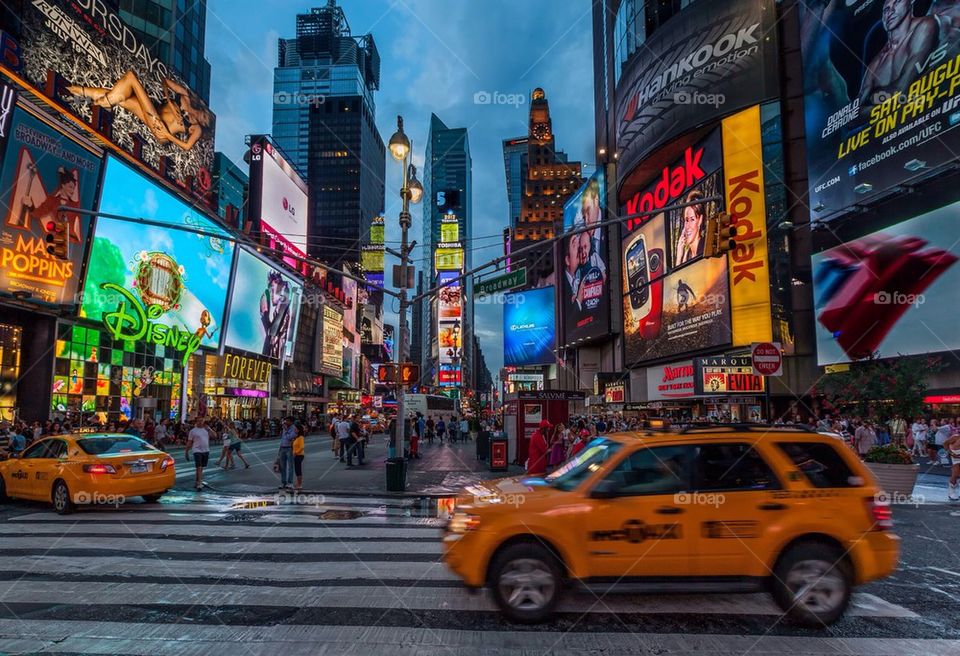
x: 708, y: 61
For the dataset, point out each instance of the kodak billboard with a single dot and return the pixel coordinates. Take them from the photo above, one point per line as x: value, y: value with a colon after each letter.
x: 749, y: 265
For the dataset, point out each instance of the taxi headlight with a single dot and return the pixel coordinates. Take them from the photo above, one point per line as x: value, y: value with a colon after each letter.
x: 462, y: 522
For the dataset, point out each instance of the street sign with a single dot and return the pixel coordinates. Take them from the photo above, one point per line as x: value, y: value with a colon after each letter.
x: 767, y: 359
x: 500, y: 283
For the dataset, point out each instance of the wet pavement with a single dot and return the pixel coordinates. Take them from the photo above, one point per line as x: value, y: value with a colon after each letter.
x: 441, y: 470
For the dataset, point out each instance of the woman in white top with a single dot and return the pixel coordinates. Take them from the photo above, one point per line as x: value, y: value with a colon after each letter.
x: 229, y: 434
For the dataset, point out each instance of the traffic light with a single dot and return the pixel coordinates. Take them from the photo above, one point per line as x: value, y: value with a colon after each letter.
x: 386, y: 373
x: 58, y: 238
x: 721, y: 232
x: 409, y: 373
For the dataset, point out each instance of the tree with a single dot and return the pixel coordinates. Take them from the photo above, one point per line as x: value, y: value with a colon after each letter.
x: 879, y: 388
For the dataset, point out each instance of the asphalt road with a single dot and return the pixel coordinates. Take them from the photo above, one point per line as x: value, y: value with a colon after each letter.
x: 209, y: 573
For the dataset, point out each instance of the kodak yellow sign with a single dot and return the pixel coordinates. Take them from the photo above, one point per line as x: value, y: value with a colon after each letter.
x: 749, y: 262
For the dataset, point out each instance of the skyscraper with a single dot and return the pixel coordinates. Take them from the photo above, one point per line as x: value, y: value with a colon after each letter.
x: 324, y: 119
x: 175, y: 31
x: 232, y: 186
x: 515, y: 166
x: 548, y: 181
x: 447, y: 193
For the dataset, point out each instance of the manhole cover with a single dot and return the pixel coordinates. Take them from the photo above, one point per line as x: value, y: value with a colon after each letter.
x: 340, y: 514
x: 244, y: 516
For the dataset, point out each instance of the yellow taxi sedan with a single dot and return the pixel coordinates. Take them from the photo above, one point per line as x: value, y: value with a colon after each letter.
x: 721, y: 509
x: 89, y: 468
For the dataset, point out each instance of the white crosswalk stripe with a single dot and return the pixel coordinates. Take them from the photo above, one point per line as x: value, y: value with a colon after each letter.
x: 203, y: 578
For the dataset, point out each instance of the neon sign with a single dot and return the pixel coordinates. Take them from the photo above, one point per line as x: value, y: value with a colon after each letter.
x: 132, y: 321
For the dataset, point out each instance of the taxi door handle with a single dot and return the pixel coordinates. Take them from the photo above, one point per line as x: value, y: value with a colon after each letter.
x: 669, y: 510
x: 772, y: 505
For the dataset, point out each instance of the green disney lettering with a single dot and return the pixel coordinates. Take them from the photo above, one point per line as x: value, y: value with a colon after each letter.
x: 119, y: 320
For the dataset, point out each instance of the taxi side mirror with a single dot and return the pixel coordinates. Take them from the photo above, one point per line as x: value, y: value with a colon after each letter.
x: 604, y: 490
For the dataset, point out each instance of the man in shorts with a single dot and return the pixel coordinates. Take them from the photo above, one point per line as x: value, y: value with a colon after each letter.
x: 198, y: 439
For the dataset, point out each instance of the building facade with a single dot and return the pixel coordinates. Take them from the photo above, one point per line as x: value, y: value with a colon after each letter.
x: 549, y: 180
x: 232, y: 186
x: 447, y: 212
x: 324, y: 119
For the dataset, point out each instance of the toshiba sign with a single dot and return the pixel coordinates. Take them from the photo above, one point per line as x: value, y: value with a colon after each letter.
x: 670, y: 381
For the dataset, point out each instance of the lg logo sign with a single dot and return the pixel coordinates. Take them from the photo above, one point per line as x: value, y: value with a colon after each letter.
x: 288, y: 207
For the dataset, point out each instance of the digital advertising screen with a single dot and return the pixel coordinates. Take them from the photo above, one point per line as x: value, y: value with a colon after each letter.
x: 332, y: 358
x: 450, y: 340
x: 107, y: 79
x: 278, y: 197
x: 529, y: 327
x: 450, y: 300
x: 43, y: 169
x: 141, y: 276
x: 676, y: 300
x: 711, y: 59
x: 264, y: 308
x: 585, y: 289
x: 449, y: 258
x: 891, y: 292
x: 881, y: 94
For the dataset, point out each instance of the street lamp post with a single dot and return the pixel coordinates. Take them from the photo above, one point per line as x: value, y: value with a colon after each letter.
x: 410, y: 192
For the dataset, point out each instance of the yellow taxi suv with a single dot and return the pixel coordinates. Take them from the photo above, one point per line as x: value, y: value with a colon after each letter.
x: 88, y: 468
x: 727, y: 508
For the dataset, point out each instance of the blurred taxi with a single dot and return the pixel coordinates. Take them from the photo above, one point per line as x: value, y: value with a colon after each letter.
x: 707, y: 509
x: 87, y: 468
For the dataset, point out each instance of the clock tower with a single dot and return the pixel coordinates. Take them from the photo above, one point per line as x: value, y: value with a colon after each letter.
x: 548, y: 181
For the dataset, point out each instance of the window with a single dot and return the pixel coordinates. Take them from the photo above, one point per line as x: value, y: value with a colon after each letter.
x: 38, y: 450
x: 820, y: 463
x: 98, y: 446
x: 658, y: 470
x: 731, y: 467
x: 575, y: 471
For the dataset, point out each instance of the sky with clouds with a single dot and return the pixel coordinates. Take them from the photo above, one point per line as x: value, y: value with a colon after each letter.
x: 436, y: 55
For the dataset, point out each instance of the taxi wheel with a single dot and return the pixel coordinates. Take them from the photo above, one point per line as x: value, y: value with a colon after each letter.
x: 62, y: 502
x: 812, y: 584
x: 525, y: 581
x: 3, y: 490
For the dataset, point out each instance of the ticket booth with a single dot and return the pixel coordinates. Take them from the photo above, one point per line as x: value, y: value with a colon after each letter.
x: 523, y: 412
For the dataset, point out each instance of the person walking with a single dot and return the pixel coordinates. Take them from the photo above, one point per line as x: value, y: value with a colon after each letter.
x: 943, y: 434
x: 354, y: 445
x: 225, y: 453
x: 198, y: 441
x: 343, y: 437
x: 285, y: 454
x: 431, y: 429
x: 918, y: 433
x: 298, y: 453
x: 236, y: 446
x: 441, y: 429
x: 932, y: 446
x: 558, y: 447
x: 537, y: 453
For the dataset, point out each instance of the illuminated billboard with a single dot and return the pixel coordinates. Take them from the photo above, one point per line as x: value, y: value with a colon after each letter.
x: 448, y: 257
x: 881, y: 98
x: 332, y: 358
x: 529, y: 328
x: 42, y: 170
x: 450, y: 341
x: 890, y: 292
x: 264, y: 308
x: 94, y: 68
x: 585, y: 288
x: 676, y: 300
x: 712, y: 59
x: 278, y: 199
x: 724, y: 374
x: 140, y: 276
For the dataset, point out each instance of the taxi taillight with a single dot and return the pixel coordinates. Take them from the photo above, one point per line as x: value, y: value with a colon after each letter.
x: 880, y: 513
x: 167, y: 462
x: 99, y: 469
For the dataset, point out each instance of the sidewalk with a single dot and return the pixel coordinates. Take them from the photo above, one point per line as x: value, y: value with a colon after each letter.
x: 441, y: 470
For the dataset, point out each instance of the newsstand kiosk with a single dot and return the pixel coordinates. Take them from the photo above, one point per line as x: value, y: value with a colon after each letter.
x: 523, y: 412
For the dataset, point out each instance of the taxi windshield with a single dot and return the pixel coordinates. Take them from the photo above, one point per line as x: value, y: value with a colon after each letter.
x: 112, y: 445
x: 571, y: 473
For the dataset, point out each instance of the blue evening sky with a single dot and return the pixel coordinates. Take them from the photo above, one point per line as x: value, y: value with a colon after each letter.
x: 435, y: 56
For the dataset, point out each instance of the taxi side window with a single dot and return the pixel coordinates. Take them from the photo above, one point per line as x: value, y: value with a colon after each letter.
x: 57, y: 449
x: 658, y: 470
x: 820, y: 463
x: 732, y: 467
x: 38, y: 450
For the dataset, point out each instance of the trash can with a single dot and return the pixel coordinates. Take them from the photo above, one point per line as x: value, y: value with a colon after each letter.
x: 483, y: 445
x: 396, y: 475
x: 498, y: 452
